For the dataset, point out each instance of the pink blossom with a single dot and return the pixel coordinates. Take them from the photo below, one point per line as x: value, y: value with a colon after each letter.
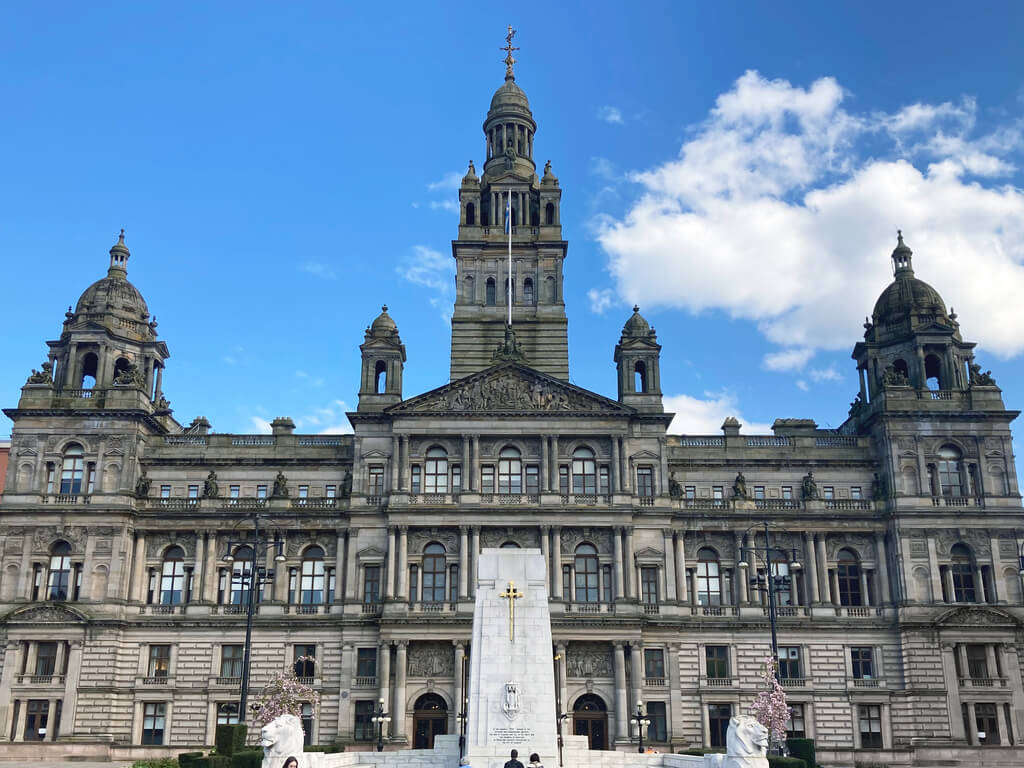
x: 284, y: 695
x: 770, y: 707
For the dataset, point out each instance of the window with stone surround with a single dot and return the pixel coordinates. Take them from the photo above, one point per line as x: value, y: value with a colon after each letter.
x: 787, y: 492
x: 828, y: 492
x: 645, y: 481
x: 456, y: 478
x: 690, y: 492
x: 304, y: 660
x: 986, y: 722
x: 37, y: 713
x: 165, y: 491
x: 709, y: 579
x: 657, y: 731
x: 303, y: 491
x: 855, y: 492
x: 416, y: 478
x: 307, y: 724
x: 153, y: 723
x: 604, y: 480
x: 796, y: 726
x: 532, y: 479
x: 487, y: 478
x: 434, y: 572
x: 375, y: 484
x: 231, y: 661
x: 718, y: 723
x: 193, y: 491
x: 366, y: 662
x: 649, y: 585
x: 563, y: 479
x: 962, y: 571
x: 46, y: 658
x: 949, y: 471
x: 371, y: 584
x: 234, y: 491
x: 159, y: 661
x: 862, y: 661
x: 435, y: 474
x: 510, y: 471
x: 584, y: 472
x: 414, y: 583
x: 331, y: 491
x: 71, y: 469
x: 789, y: 662
x: 849, y: 577
x: 311, y: 587
x: 870, y: 717
x: 60, y: 571
x: 758, y: 491
x: 606, y: 583
x: 716, y: 660
x: 364, y: 729
x: 172, y: 577
x: 654, y: 663
x: 227, y: 713
x: 585, y: 564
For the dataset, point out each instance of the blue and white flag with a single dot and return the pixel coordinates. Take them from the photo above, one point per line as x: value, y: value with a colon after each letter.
x: 508, y: 215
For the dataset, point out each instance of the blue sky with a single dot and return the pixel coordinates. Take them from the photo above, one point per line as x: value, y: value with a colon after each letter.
x: 738, y: 169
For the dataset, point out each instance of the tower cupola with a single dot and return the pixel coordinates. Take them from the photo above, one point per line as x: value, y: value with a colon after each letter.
x: 383, y: 361
x: 637, y: 360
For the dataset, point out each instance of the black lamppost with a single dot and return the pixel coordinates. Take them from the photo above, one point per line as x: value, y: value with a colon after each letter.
x: 252, y: 577
x: 1020, y: 561
x: 641, y: 721
x: 769, y: 583
x: 560, y: 716
x: 380, y: 719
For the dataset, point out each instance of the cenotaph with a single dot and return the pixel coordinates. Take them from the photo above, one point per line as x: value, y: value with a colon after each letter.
x: 512, y: 676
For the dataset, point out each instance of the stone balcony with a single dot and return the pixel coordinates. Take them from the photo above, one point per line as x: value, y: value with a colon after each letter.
x: 984, y: 682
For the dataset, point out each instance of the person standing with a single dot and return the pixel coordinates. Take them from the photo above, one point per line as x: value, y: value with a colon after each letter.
x: 535, y: 761
x: 514, y: 762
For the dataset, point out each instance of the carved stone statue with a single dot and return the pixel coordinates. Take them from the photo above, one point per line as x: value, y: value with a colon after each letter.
x: 893, y: 378
x: 739, y: 487
x: 142, y: 485
x: 509, y: 348
x: 44, y: 376
x: 979, y: 379
x: 282, y: 738
x: 280, y: 486
x: 163, y: 404
x: 808, y: 486
x: 510, y: 156
x: 130, y: 377
x: 675, y: 490
x: 746, y: 745
x: 210, y: 488
x: 346, y: 485
x: 511, y: 703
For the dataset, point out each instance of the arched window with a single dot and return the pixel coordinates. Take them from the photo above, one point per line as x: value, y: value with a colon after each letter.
x: 586, y: 573
x: 780, y: 572
x: 510, y: 545
x: 640, y: 376
x: 709, y: 577
x: 962, y: 570
x: 436, y: 476
x: 549, y: 214
x: 933, y: 372
x: 90, y: 368
x: 848, y: 575
x: 121, y: 365
x: 311, y: 588
x: 900, y: 366
x: 949, y: 471
x: 71, y: 469
x: 491, y: 298
x: 551, y: 290
x: 584, y: 471
x: 60, y: 571
x: 240, y: 575
x: 172, y: 577
x: 510, y: 471
x: 528, y: 291
x: 470, y: 215
x: 469, y: 289
x: 380, y: 376
x: 433, y: 573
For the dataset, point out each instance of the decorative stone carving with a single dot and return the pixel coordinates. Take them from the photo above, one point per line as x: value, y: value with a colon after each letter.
x: 346, y: 485
x: 297, y: 543
x: 980, y: 541
x: 508, y: 349
x: 281, y: 738
x: 599, y: 537
x: 280, y: 486
x: 944, y: 541
x: 44, y: 536
x: 974, y: 617
x: 918, y: 548
x: 746, y: 745
x: 511, y: 702
x: 723, y: 543
x: 675, y: 490
x: 130, y: 377
x: 808, y: 487
x: 979, y: 379
x: 861, y: 543
x: 430, y: 660
x: 495, y: 537
x: 893, y: 378
x: 1007, y: 548
x: 210, y: 488
x: 739, y: 486
x: 47, y: 614
x: 44, y: 376
x: 158, y: 542
x: 142, y: 485
x: 420, y: 537
x: 589, y: 660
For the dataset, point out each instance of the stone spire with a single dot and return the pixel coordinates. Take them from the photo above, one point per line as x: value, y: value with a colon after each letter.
x: 508, y: 48
x: 119, y: 254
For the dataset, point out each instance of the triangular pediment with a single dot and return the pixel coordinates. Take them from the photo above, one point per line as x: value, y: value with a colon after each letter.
x: 645, y: 454
x: 370, y: 553
x: 375, y: 454
x: 976, y: 616
x: 53, y: 613
x: 510, y: 388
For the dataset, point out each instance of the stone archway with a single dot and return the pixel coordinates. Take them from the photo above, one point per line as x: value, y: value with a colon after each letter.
x: 590, y: 719
x: 429, y: 719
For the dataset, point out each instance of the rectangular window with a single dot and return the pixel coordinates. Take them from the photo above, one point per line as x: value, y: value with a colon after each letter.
x: 987, y: 723
x: 690, y: 492
x: 758, y: 491
x: 90, y: 478
x: 487, y: 479
x: 977, y: 662
x: 193, y: 491
x: 566, y: 582
x: 532, y: 479
x: 654, y: 663
x: 717, y: 492
x: 304, y: 658
x: 371, y: 584
x: 789, y: 662
x: 563, y: 479
x: 331, y: 491
x: 153, y: 717
x: 606, y: 583
x: 307, y: 724
x: 366, y: 662
x: 227, y: 713
x: 159, y: 660
x: 414, y: 583
x: 787, y: 492
x: 235, y: 491
x: 375, y: 486
x: 46, y: 658
x: 261, y: 491
x: 717, y: 659
x: 50, y: 470
x: 644, y: 481
x: 36, y: 715
x: 657, y: 731
x: 829, y: 492
x: 718, y: 723
x: 416, y: 478
x: 453, y: 583
x: 364, y: 728
x: 231, y: 661
x: 303, y: 491
x: 603, y: 480
x: 870, y: 716
x: 649, y: 585
x: 855, y: 492
x: 795, y: 726
x: 165, y: 491
x: 456, y: 478
x: 862, y: 660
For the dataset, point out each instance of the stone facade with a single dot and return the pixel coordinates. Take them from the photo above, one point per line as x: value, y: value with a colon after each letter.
x: 899, y: 634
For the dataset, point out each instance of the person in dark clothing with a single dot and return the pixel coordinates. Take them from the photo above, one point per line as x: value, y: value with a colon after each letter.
x: 514, y: 762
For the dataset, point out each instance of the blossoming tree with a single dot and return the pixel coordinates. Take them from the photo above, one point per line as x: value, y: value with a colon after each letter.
x: 285, y: 695
x: 770, y: 708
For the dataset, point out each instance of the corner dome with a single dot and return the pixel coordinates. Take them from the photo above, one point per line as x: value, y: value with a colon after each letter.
x: 636, y: 325
x: 906, y: 294
x: 114, y: 294
x: 383, y: 324
x: 509, y: 95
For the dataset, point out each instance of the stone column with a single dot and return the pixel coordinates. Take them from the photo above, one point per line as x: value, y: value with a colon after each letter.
x: 884, y: 595
x: 947, y: 579
x: 403, y: 562
x: 74, y: 667
x: 345, y: 722
x: 138, y: 568
x: 864, y: 591
x: 621, y: 718
x: 681, y: 567
x: 467, y: 473
x: 1011, y: 667
x: 463, y: 562
x: 629, y: 566
x: 670, y: 570
x: 395, y: 458
x: 636, y: 672
x: 198, y: 569
x: 351, y: 580
x: 545, y: 463
x: 979, y: 584
x: 997, y: 570
x: 616, y: 478
x: 619, y: 570
x: 280, y: 583
x: 398, y: 710
x: 339, y: 566
x: 694, y: 595
x: 19, y: 728
x: 1004, y: 726
x: 384, y: 672
x: 833, y: 578
x: 391, y: 580
x: 624, y: 466
x: 211, y: 575
x: 556, y: 563
x: 554, y: 464
x: 474, y: 554
x: 933, y: 568
x: 811, y: 571
x: 460, y: 694
x: 476, y: 463
x: 11, y: 662
x: 403, y: 466
x: 822, y: 563
x: 545, y: 551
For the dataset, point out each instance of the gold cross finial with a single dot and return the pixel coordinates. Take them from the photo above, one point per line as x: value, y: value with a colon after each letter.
x: 509, y: 60
x: 511, y: 594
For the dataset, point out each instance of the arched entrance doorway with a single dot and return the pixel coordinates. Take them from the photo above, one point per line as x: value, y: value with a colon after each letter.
x: 429, y: 719
x: 590, y: 719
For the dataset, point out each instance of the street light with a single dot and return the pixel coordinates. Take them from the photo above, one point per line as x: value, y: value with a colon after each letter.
x: 252, y: 579
x: 380, y: 719
x: 641, y: 721
x: 560, y: 716
x: 770, y: 583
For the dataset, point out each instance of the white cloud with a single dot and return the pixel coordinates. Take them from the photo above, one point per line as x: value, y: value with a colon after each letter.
x: 432, y: 269
x: 704, y: 417
x: 604, y: 168
x: 802, y: 385
x: 787, y: 359
x: 775, y: 212
x: 260, y: 426
x: 610, y: 114
x: 445, y: 205
x: 319, y: 269
x: 825, y: 374
x: 601, y: 300
x: 451, y: 180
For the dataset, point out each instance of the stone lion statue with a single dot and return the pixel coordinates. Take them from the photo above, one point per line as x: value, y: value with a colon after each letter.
x: 746, y: 745
x: 280, y: 738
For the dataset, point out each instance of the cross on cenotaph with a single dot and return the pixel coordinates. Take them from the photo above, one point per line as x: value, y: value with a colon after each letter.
x: 511, y: 594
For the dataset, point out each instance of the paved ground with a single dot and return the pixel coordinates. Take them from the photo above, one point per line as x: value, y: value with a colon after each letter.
x: 11, y: 763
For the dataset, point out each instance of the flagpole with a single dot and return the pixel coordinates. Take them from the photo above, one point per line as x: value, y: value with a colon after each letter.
x: 508, y: 225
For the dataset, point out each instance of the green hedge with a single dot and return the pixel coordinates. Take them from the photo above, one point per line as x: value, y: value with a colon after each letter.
x: 160, y: 762
x: 230, y: 739
x: 703, y: 751
x: 247, y: 759
x: 188, y: 759
x: 804, y: 749
x: 786, y: 762
x: 327, y: 749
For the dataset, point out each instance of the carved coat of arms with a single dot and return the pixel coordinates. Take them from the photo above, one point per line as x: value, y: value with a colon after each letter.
x: 510, y: 701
